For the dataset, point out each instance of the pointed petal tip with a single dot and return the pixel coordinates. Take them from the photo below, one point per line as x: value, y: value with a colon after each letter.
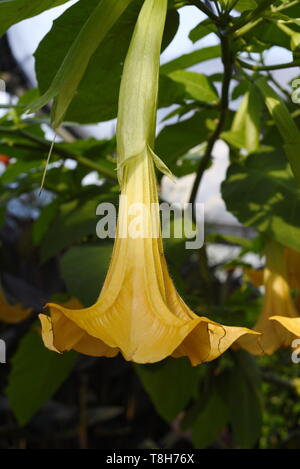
x: 291, y: 324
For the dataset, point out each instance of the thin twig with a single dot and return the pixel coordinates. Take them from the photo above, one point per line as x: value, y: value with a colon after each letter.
x: 261, y: 68
x: 47, y: 164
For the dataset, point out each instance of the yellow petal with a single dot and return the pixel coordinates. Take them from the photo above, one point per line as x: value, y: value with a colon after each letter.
x: 209, y: 340
x: 12, y: 314
x: 70, y: 337
x: 291, y: 324
x: 60, y: 335
x: 47, y: 332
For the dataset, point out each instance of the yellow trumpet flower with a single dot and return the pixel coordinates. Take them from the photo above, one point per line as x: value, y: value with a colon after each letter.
x: 12, y: 313
x: 291, y: 324
x: 293, y: 273
x: 277, y: 302
x: 292, y: 259
x: 139, y: 312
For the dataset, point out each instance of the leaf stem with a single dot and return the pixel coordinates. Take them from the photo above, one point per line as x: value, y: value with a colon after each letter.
x: 259, y: 68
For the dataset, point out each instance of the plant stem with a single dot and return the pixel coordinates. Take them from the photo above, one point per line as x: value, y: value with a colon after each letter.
x: 287, y: 5
x: 258, y: 68
x: 228, y: 68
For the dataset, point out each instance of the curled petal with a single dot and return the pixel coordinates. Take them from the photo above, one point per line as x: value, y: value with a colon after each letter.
x: 291, y: 324
x: 60, y: 335
x: 209, y: 340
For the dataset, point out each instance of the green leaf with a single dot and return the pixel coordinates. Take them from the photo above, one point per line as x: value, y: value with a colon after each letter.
x: 245, y: 130
x: 35, y: 376
x: 245, y: 400
x: 41, y: 224
x: 285, y: 124
x: 83, y: 269
x: 188, y: 60
x: 202, y: 29
x: 245, y: 5
x: 13, y: 11
x: 97, y: 95
x: 175, y: 140
x: 15, y: 170
x: 210, y: 422
x: 170, y: 92
x: 67, y: 79
x: 266, y: 34
x: 170, y: 385
x: 261, y: 192
x: 198, y: 86
x: 74, y: 221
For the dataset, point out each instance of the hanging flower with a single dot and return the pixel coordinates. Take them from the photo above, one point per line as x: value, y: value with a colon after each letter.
x: 277, y: 302
x: 12, y: 313
x: 139, y: 311
x: 293, y: 274
x: 292, y: 260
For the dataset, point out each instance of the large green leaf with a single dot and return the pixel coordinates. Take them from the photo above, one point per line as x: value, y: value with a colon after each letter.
x: 202, y: 29
x: 97, y: 96
x: 170, y: 92
x: 170, y: 385
x: 67, y: 79
x: 244, y: 400
x: 83, y: 269
x: 74, y: 221
x: 245, y: 5
x: 261, y: 192
x: 285, y: 124
x: 36, y: 374
x: 176, y: 139
x: 267, y: 34
x: 197, y: 85
x: 245, y: 130
x: 210, y: 422
x: 13, y: 11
